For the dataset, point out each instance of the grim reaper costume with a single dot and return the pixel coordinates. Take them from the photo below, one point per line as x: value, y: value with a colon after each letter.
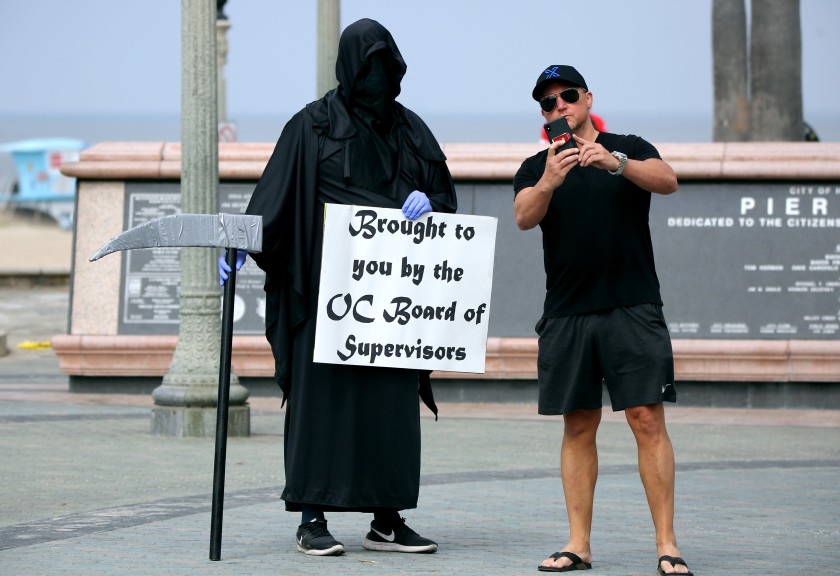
x: 352, y: 433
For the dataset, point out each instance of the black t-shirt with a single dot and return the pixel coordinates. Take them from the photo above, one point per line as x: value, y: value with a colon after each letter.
x: 596, y: 240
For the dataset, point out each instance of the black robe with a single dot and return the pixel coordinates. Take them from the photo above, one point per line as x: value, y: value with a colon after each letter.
x: 352, y: 433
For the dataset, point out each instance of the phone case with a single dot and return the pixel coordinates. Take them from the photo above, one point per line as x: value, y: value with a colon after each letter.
x: 559, y: 129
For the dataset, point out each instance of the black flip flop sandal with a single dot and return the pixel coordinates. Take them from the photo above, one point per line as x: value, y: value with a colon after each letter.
x: 674, y: 560
x: 577, y: 563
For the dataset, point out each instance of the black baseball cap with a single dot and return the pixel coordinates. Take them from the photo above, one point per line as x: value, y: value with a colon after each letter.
x: 557, y: 73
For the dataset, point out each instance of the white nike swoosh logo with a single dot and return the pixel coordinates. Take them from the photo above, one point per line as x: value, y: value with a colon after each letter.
x: 388, y: 537
x: 300, y: 541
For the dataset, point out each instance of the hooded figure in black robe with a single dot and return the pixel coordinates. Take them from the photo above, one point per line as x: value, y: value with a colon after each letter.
x: 352, y: 433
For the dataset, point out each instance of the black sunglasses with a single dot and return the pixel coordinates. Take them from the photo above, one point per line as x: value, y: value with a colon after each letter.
x: 570, y: 95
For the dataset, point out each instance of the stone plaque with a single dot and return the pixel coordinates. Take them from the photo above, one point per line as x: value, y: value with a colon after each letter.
x: 749, y: 260
x: 149, y: 302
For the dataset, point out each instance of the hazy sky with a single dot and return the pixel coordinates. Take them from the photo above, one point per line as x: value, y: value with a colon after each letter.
x: 639, y: 57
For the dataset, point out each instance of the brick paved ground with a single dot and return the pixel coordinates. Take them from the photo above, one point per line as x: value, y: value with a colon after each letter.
x: 87, y: 490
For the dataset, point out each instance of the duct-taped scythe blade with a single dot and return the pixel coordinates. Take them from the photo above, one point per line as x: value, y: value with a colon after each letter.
x: 241, y: 231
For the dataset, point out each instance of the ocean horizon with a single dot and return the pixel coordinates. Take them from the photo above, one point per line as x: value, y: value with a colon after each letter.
x: 448, y: 128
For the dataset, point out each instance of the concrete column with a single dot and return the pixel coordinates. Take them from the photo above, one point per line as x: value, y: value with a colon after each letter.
x: 185, y: 401
x: 222, y: 27
x: 327, y: 44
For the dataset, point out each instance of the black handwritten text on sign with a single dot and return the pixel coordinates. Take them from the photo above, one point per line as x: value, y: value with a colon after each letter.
x: 402, y: 293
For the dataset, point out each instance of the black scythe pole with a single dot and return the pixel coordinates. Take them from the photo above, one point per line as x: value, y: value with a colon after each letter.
x: 232, y: 232
x: 222, y: 411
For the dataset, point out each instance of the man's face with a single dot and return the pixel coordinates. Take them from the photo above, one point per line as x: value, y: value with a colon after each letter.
x: 575, y: 113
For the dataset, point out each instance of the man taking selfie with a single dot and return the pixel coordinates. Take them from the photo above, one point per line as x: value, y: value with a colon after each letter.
x: 602, y: 321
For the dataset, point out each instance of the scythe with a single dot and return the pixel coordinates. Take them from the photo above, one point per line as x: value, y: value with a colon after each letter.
x: 232, y: 232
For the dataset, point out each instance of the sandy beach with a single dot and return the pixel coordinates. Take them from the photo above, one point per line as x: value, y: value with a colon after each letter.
x: 33, y: 243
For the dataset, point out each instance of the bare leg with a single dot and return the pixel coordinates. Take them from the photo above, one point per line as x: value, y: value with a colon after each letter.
x: 579, y: 470
x: 656, y: 467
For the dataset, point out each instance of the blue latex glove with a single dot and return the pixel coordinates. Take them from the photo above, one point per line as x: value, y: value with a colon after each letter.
x: 224, y: 269
x: 416, y: 205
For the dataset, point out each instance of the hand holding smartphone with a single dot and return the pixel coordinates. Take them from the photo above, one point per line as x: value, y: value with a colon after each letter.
x: 558, y: 131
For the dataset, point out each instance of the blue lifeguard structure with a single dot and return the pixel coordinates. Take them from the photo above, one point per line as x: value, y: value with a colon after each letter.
x: 40, y: 184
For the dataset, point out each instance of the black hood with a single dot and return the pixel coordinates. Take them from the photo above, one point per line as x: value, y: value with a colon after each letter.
x: 358, y: 43
x: 332, y: 114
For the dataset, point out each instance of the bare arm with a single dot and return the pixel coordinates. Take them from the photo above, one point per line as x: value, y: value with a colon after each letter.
x: 531, y: 204
x: 653, y: 174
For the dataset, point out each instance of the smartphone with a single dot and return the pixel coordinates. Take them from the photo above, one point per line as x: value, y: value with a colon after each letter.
x: 558, y: 130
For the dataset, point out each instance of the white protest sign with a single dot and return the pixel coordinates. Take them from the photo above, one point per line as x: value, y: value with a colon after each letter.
x: 402, y: 293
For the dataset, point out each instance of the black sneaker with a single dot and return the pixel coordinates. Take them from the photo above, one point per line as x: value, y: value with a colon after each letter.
x: 314, y: 538
x: 399, y: 538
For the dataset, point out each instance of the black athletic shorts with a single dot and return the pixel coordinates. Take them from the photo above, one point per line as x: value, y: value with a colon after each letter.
x: 626, y: 348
